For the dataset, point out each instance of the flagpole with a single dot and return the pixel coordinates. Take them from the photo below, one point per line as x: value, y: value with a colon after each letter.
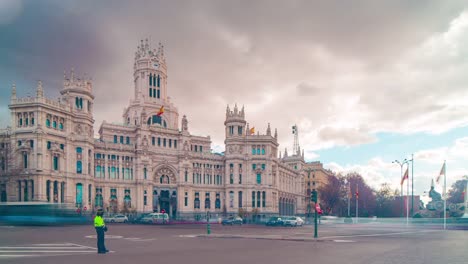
x: 349, y: 194
x: 445, y: 195
x: 357, y: 203
x: 407, y: 196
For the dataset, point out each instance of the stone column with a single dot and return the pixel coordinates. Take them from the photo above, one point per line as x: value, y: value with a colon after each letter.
x: 30, y: 190
x: 20, y: 191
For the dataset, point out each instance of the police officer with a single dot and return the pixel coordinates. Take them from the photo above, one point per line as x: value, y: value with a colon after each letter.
x: 100, y: 229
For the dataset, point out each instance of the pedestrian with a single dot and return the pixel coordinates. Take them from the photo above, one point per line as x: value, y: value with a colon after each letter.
x: 101, y: 228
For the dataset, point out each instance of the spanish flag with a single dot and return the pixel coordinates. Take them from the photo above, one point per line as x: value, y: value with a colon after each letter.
x: 252, y: 131
x: 161, y: 111
x: 405, y: 177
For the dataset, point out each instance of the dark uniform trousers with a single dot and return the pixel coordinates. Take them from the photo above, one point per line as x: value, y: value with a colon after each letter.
x: 100, y: 240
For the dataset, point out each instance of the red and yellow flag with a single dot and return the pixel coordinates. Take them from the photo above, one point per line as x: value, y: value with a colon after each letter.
x: 442, y: 172
x: 252, y: 131
x: 405, y: 177
x: 161, y: 111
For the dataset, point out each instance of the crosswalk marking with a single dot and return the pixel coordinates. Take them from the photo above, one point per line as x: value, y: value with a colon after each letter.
x: 43, y: 250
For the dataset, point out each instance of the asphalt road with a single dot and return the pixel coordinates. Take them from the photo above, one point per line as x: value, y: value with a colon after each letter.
x: 361, y: 243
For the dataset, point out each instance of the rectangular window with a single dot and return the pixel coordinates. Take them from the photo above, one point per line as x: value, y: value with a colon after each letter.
x: 153, y: 141
x: 27, y: 121
x: 175, y: 143
x: 196, y: 148
x: 239, y: 130
x: 170, y: 143
x: 62, y: 146
x: 259, y: 178
x: 240, y: 178
x: 158, y: 91
x: 253, y: 199
x: 31, y: 143
x: 56, y: 163
x: 48, y: 144
x: 32, y: 121
x: 254, y: 166
x: 164, y: 142
x: 186, y: 201
x: 25, y: 160
x: 128, y: 140
x: 231, y: 178
x: 201, y: 148
x: 258, y: 199
x: 19, y: 143
x: 121, y: 139
x: 264, y: 199
x: 145, y: 202
x: 159, y: 141
x: 115, y: 139
x: 263, y: 166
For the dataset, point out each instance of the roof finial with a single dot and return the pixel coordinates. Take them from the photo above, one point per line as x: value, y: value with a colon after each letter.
x: 13, y: 91
x: 276, y: 133
x: 72, y: 74
x: 268, y: 130
x: 40, y: 90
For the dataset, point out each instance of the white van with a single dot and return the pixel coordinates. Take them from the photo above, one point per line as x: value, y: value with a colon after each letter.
x: 155, y: 218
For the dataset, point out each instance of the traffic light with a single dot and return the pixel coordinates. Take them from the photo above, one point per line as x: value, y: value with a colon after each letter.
x: 313, y: 198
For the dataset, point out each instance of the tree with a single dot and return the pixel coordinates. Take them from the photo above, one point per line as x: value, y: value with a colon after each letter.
x: 366, y: 197
x: 384, y: 201
x: 456, y: 193
x: 330, y: 195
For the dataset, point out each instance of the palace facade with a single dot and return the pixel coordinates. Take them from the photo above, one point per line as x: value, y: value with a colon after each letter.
x: 150, y: 161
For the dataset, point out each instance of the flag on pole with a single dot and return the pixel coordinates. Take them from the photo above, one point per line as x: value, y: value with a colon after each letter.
x: 161, y: 111
x: 357, y: 191
x: 252, y: 131
x: 442, y: 172
x: 405, y: 177
x: 350, y: 194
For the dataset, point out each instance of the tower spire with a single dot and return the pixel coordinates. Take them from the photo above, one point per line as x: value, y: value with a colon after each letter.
x: 13, y: 91
x: 276, y: 133
x: 295, y: 132
x: 40, y: 90
x: 268, y: 130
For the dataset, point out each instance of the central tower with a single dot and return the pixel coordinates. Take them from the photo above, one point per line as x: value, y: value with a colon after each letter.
x: 150, y: 73
x: 151, y: 105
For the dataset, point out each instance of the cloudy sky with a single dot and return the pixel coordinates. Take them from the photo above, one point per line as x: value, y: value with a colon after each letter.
x: 367, y: 82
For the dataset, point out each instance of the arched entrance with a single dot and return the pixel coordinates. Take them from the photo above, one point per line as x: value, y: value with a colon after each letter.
x: 165, y: 191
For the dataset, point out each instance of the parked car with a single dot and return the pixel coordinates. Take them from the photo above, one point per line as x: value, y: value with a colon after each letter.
x: 232, y: 221
x: 300, y: 221
x: 275, y: 221
x: 289, y: 221
x: 155, y: 218
x: 118, y: 218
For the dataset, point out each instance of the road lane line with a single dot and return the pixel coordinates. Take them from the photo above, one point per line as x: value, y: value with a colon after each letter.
x: 383, y: 234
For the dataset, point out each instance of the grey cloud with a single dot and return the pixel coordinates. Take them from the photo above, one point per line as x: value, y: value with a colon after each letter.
x: 345, y: 136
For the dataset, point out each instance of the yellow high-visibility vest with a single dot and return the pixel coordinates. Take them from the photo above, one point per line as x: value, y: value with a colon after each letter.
x: 98, y: 221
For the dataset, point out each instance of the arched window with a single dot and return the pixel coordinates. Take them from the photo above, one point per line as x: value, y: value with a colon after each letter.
x: 61, y: 126
x: 115, y: 139
x: 79, y: 167
x: 79, y: 150
x: 253, y: 198
x: 128, y: 140
x: 240, y: 199
x: 47, y: 122
x: 159, y: 84
x: 150, y: 92
x: 144, y: 173
x: 263, y: 150
x: 164, y: 179
x: 98, y: 171
x: 150, y: 80
x: 54, y: 124
x: 79, y: 194
x: 258, y: 199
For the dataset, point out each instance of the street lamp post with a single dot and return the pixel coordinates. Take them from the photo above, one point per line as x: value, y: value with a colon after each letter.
x: 402, y: 163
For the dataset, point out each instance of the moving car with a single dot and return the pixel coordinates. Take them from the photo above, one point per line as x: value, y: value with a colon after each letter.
x: 289, y: 221
x: 300, y: 221
x: 232, y: 221
x: 275, y: 221
x: 118, y: 218
x: 155, y: 218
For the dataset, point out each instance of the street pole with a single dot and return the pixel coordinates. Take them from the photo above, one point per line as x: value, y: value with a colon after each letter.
x: 349, y: 196
x: 412, y: 185
x: 315, y: 222
x: 407, y: 198
x: 357, y: 203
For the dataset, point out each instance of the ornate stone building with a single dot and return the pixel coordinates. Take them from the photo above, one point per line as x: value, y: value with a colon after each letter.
x: 147, y: 163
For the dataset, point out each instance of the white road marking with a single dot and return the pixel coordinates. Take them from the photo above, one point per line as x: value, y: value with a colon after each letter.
x: 42, y: 250
x: 107, y: 236
x: 343, y: 241
x: 383, y: 234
